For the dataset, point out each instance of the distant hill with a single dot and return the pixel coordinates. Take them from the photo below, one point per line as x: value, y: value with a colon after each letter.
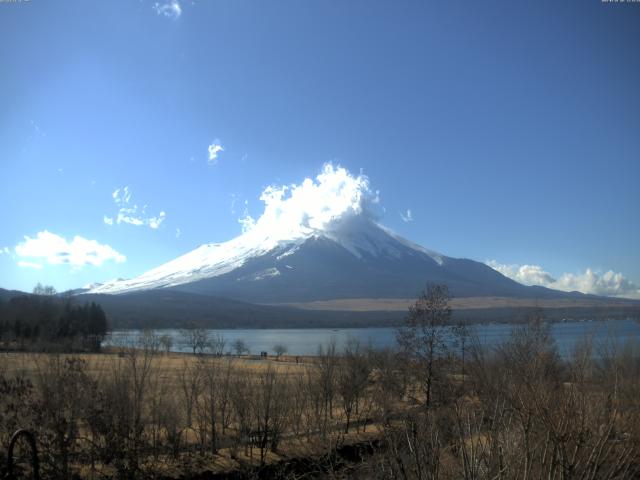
x: 174, y: 309
x: 8, y: 294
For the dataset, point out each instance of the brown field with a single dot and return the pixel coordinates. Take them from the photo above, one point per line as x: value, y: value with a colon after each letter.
x: 171, y: 364
x: 139, y: 413
x: 181, y: 383
x: 402, y: 304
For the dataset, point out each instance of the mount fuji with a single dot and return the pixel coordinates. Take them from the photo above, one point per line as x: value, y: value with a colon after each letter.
x: 352, y: 258
x: 318, y: 256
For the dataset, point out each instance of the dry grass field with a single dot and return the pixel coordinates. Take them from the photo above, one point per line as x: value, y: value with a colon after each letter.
x: 515, y: 411
x: 171, y: 364
x: 196, y: 413
x: 463, y: 303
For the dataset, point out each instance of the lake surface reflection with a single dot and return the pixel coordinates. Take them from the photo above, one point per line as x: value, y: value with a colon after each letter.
x: 301, y: 341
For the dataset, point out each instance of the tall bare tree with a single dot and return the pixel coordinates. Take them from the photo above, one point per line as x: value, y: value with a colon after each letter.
x: 422, y: 337
x: 352, y: 379
x: 196, y: 338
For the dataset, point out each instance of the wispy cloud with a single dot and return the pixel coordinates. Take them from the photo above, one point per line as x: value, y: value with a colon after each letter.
x: 609, y: 283
x: 4, y: 250
x: 214, y: 149
x: 246, y: 221
x: 56, y: 250
x: 154, y: 222
x: 178, y: 233
x: 131, y: 213
x: 234, y: 200
x: 121, y: 195
x: 406, y: 216
x: 170, y: 9
x: 35, y: 130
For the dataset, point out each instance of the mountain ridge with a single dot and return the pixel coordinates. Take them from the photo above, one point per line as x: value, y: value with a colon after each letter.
x: 353, y: 258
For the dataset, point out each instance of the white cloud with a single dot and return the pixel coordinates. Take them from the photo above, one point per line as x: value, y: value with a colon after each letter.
x: 4, y: 250
x: 246, y: 221
x: 609, y: 283
x: 316, y: 204
x: 132, y: 214
x: 23, y: 264
x: 154, y: 222
x: 406, y: 217
x: 170, y: 9
x: 178, y: 233
x: 56, y: 250
x: 214, y: 149
x: 525, y: 274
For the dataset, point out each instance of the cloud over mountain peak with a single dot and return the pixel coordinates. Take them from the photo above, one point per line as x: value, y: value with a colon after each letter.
x: 318, y: 204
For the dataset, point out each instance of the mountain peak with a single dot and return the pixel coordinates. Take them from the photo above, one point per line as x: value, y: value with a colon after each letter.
x: 315, y: 241
x: 359, y: 236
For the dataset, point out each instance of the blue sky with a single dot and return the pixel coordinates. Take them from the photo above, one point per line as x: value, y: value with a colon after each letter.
x: 510, y: 130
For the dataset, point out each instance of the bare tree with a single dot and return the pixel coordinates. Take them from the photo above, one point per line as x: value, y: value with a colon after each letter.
x: 141, y: 368
x: 270, y: 409
x: 60, y: 381
x: 213, y: 400
x: 170, y: 420
x: 47, y: 290
x: 240, y: 347
x: 326, y: 379
x: 240, y: 398
x: 422, y: 338
x: 166, y: 341
x: 389, y: 383
x: 224, y: 386
x: 149, y: 342
x: 216, y: 344
x: 352, y: 379
x: 279, y: 349
x: 191, y: 385
x: 196, y: 338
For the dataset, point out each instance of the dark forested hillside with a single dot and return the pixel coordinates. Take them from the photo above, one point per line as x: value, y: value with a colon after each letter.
x: 44, y: 320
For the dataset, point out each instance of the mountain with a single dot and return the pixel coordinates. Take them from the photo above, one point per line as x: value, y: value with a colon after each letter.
x: 351, y: 272
x: 6, y: 295
x: 353, y: 258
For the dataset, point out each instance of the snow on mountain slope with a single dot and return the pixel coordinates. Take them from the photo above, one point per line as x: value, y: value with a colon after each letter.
x: 316, y: 241
x: 206, y: 261
x: 360, y: 237
x: 336, y: 206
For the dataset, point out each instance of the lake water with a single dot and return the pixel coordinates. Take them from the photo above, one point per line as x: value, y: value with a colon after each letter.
x: 301, y: 341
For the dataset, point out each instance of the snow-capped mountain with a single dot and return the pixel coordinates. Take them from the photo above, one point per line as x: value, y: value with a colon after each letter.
x: 353, y: 258
x: 318, y: 248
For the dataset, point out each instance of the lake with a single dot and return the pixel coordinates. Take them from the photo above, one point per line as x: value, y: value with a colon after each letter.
x: 300, y: 341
